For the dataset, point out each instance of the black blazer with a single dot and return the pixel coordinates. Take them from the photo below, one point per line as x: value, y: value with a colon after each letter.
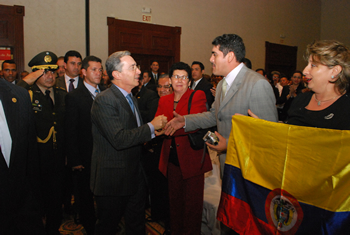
x: 148, y: 103
x: 117, y: 144
x: 78, y: 135
x: 19, y: 183
x: 205, y: 85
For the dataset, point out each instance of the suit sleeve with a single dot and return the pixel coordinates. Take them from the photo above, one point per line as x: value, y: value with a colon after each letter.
x: 116, y: 125
x: 152, y: 104
x: 262, y: 101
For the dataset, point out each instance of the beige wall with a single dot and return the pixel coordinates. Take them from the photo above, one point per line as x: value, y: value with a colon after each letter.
x: 59, y: 25
x: 335, y: 20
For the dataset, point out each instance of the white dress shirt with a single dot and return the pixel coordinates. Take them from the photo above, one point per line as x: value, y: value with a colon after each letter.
x: 75, y: 83
x: 5, y: 136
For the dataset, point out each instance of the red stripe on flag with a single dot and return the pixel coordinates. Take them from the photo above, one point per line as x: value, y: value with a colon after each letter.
x: 237, y: 215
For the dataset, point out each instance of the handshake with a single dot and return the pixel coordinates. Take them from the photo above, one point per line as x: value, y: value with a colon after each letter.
x: 159, y: 122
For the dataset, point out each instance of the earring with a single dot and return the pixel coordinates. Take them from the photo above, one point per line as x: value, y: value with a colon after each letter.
x: 332, y: 77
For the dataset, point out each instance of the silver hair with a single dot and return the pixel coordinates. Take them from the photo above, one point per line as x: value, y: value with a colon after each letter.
x: 113, y: 63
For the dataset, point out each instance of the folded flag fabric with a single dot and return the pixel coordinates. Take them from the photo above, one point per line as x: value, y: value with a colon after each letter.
x: 285, y: 179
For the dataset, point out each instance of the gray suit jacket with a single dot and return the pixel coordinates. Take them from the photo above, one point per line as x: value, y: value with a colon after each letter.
x: 249, y: 90
x: 117, y: 142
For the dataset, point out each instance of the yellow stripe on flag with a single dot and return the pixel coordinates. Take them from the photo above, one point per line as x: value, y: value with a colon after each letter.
x: 312, y: 164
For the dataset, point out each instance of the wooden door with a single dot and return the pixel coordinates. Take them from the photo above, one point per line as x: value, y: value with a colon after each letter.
x: 146, y: 42
x: 280, y: 58
x: 11, y: 32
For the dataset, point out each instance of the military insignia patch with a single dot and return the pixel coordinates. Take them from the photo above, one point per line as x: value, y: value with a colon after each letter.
x: 47, y: 59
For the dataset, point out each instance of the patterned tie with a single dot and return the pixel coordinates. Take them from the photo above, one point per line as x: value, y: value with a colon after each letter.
x: 71, y: 85
x: 96, y: 92
x: 224, y: 87
x: 131, y: 103
x: 47, y: 93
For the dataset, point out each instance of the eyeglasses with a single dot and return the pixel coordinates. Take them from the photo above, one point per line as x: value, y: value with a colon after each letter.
x: 165, y: 86
x: 135, y: 67
x: 177, y: 77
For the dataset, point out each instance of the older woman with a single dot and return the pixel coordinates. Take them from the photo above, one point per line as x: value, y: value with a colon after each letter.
x: 328, y: 76
x: 179, y: 162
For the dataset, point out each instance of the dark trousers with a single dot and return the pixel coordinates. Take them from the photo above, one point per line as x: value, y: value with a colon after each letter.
x: 186, y: 202
x: 110, y: 210
x: 52, y: 194
x: 84, y: 196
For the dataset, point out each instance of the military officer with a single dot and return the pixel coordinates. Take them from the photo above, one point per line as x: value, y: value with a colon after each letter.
x: 49, y: 108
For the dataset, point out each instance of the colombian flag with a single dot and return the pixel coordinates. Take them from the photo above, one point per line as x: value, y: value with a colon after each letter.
x: 285, y: 179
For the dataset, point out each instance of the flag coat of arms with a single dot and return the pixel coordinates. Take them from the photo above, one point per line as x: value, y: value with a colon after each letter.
x: 285, y: 179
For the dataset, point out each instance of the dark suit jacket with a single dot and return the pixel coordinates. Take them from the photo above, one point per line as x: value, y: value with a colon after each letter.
x: 148, y: 103
x: 115, y: 165
x: 189, y: 159
x: 78, y: 135
x: 153, y: 80
x: 151, y: 86
x: 205, y: 85
x: 20, y: 180
x: 61, y: 83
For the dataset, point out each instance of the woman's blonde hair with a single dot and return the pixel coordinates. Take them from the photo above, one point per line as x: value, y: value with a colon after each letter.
x: 331, y: 53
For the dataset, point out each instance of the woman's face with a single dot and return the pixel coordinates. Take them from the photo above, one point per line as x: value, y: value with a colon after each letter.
x: 318, y: 76
x: 180, y: 81
x: 296, y: 78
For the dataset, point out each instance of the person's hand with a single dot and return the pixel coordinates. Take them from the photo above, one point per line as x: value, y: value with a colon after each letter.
x: 213, y: 91
x: 222, y: 146
x: 176, y: 123
x: 78, y: 168
x: 159, y: 132
x: 159, y: 122
x: 33, y: 76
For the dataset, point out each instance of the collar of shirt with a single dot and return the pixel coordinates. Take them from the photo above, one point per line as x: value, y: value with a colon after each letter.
x: 125, y: 93
x: 75, y: 83
x: 155, y: 74
x: 5, y: 136
x: 232, y: 75
x: 91, y: 88
x: 43, y: 89
x: 196, y: 82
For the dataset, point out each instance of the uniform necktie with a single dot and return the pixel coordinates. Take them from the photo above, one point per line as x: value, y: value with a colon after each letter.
x: 96, y: 92
x: 131, y: 103
x: 47, y: 93
x: 224, y: 87
x: 71, y: 85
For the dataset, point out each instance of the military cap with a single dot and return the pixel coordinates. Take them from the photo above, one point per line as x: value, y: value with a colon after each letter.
x: 44, y: 60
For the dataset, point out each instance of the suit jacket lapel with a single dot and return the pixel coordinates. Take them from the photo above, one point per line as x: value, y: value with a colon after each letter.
x: 233, y: 88
x: 123, y: 102
x: 9, y: 102
x: 183, y: 102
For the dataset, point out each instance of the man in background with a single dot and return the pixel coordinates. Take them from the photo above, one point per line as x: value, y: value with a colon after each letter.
x: 9, y: 71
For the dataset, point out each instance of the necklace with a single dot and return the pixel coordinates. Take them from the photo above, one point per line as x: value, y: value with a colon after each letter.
x: 176, y: 101
x: 320, y: 101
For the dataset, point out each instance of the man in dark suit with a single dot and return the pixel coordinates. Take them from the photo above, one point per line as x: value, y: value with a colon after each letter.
x: 19, y: 164
x: 117, y: 176
x: 79, y: 138
x: 147, y: 81
x: 49, y: 109
x: 9, y: 71
x: 147, y: 100
x: 154, y: 74
x: 200, y: 83
x: 71, y: 79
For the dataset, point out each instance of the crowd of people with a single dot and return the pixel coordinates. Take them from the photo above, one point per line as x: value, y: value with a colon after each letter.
x: 119, y: 137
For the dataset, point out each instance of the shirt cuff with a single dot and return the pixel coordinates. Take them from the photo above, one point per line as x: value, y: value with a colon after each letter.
x: 185, y: 122
x: 151, y: 127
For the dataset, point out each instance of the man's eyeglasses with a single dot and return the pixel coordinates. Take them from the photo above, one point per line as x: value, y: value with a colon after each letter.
x: 177, y: 77
x: 134, y: 67
x: 165, y: 86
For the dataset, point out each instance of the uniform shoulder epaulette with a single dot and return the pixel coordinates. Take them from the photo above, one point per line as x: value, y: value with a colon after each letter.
x: 60, y: 88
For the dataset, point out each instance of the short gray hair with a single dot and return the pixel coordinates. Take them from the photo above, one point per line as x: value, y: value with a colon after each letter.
x: 113, y: 62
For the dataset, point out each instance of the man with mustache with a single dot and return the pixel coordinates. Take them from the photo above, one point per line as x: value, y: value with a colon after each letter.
x: 9, y: 71
x: 49, y: 108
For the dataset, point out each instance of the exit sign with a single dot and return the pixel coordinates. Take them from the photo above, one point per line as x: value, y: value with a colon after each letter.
x: 147, y: 18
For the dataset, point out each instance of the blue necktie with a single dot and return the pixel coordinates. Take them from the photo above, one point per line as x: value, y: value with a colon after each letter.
x: 131, y: 103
